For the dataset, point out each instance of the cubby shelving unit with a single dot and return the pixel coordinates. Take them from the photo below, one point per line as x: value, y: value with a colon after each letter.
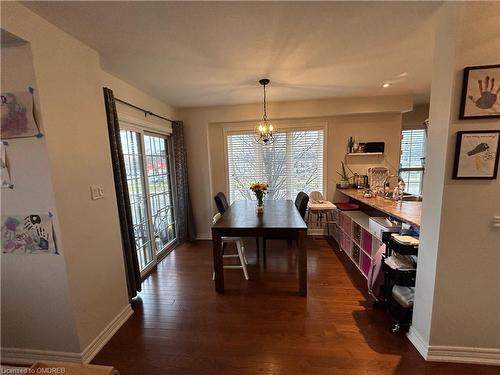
x: 352, y: 233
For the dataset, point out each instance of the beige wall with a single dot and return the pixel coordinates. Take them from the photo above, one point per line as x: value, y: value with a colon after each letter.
x: 376, y: 118
x: 385, y: 127
x: 124, y: 91
x: 457, y: 302
x: 32, y: 285
x: 69, y: 84
x: 415, y: 118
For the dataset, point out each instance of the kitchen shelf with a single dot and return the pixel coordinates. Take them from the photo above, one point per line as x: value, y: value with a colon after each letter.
x: 364, y: 153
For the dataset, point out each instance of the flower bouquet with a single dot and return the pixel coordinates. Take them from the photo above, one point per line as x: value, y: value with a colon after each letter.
x: 259, y: 189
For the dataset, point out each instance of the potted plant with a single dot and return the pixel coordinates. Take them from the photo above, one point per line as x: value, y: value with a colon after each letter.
x: 259, y: 189
x: 344, y: 177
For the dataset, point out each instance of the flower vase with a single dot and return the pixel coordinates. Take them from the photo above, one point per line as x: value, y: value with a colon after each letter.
x: 259, y: 208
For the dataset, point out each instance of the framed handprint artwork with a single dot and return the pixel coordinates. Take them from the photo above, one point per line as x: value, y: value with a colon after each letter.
x: 476, y: 154
x: 480, y: 92
x: 28, y: 234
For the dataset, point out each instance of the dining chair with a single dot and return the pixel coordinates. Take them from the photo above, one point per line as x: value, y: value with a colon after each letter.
x: 221, y: 202
x: 301, y: 201
x: 222, y: 205
x: 240, y: 251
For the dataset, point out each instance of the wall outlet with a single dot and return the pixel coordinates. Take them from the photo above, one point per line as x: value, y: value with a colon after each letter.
x: 96, y: 192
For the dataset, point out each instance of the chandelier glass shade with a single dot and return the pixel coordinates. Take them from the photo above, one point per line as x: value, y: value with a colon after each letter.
x: 264, y: 131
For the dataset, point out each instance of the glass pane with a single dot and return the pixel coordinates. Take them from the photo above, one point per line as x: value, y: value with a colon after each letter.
x: 137, y: 194
x: 159, y: 183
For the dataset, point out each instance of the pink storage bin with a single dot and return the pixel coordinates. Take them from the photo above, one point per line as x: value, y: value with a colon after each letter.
x: 366, y: 241
x: 365, y: 263
x: 346, y: 225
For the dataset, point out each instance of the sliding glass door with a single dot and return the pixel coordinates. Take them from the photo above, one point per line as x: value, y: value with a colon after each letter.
x: 160, y: 190
x: 147, y: 164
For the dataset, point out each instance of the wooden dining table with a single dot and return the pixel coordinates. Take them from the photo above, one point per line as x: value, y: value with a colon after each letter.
x: 280, y: 220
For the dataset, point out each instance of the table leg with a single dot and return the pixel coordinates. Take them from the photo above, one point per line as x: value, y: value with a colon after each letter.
x: 264, y: 249
x: 257, y: 240
x: 217, y: 254
x: 302, y: 249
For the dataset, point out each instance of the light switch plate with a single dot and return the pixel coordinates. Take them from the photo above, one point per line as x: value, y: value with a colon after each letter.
x: 496, y: 221
x: 96, y: 192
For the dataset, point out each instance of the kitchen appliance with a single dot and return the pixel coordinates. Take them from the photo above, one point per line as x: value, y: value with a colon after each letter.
x: 376, y: 178
x: 374, y: 147
x: 360, y: 181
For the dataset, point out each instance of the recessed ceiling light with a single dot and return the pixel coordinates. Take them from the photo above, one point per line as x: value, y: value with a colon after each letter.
x: 387, y: 84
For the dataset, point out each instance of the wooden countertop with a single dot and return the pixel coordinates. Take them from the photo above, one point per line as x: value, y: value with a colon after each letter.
x: 408, y: 212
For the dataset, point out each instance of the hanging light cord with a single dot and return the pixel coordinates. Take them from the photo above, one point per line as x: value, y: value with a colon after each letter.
x: 265, y: 113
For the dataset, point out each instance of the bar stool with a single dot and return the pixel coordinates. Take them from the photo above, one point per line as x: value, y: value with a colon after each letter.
x: 239, y: 247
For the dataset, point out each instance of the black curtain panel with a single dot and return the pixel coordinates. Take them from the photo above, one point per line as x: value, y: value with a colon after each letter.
x: 186, y: 230
x: 132, y: 270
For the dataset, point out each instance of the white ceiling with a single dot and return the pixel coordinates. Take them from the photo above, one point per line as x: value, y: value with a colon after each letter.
x: 211, y: 53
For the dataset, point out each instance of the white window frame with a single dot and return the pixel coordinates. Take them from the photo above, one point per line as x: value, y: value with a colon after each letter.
x: 245, y: 129
x: 413, y: 169
x: 147, y: 128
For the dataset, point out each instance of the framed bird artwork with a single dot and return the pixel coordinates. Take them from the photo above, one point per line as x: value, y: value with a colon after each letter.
x: 476, y: 154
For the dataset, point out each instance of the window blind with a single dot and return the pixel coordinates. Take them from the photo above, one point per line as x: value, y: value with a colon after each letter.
x: 293, y: 163
x: 412, y: 159
x: 412, y: 148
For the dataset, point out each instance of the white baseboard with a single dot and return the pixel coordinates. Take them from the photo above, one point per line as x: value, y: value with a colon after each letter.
x: 98, y: 343
x: 459, y: 354
x: 418, y: 342
x: 204, y: 236
x: 29, y: 356
x: 454, y: 354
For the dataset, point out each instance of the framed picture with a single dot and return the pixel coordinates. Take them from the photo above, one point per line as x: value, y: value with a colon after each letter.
x: 480, y: 92
x: 17, y: 115
x: 476, y: 154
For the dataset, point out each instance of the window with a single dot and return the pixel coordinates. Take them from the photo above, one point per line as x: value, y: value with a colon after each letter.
x: 412, y: 159
x: 147, y: 166
x: 293, y: 163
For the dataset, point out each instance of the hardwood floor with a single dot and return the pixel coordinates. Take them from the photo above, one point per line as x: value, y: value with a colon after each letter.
x: 261, y: 326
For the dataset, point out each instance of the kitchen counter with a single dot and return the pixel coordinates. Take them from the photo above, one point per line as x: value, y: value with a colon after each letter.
x: 408, y: 212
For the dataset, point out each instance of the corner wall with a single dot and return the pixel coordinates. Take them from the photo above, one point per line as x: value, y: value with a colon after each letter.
x: 94, y: 296
x: 33, y: 286
x: 72, y: 111
x: 457, y: 309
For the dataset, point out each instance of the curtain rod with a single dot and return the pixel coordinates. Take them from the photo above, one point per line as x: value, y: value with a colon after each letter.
x: 146, y: 112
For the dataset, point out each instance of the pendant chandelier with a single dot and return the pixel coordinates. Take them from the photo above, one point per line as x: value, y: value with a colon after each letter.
x: 264, y: 130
